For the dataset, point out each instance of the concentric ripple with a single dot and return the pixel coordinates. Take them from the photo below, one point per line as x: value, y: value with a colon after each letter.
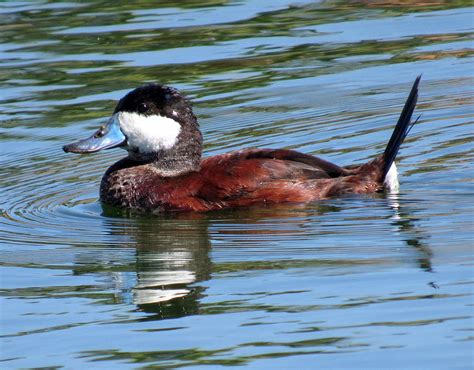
x: 51, y: 201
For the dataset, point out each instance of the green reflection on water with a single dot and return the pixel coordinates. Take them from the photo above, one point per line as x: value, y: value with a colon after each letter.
x: 49, y: 66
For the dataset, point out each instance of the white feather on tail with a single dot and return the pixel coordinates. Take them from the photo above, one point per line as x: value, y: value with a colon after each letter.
x: 391, y: 179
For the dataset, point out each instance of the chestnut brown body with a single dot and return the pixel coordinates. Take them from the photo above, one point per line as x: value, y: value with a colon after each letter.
x: 243, y: 178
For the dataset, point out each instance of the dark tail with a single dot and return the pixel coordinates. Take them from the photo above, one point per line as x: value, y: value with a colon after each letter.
x: 402, y: 128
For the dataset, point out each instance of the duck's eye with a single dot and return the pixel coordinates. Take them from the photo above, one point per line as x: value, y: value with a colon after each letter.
x: 142, y: 107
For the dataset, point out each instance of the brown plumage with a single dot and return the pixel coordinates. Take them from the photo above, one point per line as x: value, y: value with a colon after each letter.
x: 238, y: 179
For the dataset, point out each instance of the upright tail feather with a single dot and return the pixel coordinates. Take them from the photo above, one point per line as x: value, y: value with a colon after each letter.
x: 402, y: 128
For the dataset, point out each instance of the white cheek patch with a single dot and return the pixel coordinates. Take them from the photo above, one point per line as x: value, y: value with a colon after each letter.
x: 391, y: 179
x: 149, y: 133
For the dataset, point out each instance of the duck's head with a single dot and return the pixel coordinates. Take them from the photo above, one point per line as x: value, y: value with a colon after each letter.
x: 155, y: 124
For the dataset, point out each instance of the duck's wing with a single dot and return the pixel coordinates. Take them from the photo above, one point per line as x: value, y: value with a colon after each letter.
x: 271, y: 164
x: 252, y: 175
x: 313, y: 166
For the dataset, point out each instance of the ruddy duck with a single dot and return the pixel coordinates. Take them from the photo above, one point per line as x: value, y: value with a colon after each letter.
x: 164, y: 170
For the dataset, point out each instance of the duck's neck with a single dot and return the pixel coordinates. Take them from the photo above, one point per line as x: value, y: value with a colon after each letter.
x: 176, y: 161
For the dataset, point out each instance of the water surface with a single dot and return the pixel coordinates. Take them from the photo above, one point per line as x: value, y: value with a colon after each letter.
x: 359, y: 282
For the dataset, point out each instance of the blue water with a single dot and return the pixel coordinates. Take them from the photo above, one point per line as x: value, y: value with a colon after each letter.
x: 383, y: 281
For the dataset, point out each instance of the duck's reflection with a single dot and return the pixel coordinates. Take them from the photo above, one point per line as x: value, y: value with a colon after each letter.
x: 172, y: 253
x: 405, y: 224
